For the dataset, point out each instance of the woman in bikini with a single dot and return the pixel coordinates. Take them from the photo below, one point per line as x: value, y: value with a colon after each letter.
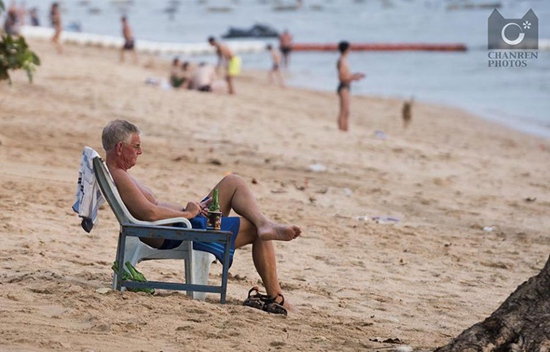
x: 55, y: 19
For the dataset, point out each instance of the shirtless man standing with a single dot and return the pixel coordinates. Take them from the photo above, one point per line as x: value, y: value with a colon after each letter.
x: 129, y: 43
x: 345, y: 77
x: 285, y: 45
x: 122, y: 144
x: 228, y: 60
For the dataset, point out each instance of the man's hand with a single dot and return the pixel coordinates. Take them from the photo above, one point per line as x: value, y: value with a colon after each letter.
x: 204, y: 205
x: 193, y: 208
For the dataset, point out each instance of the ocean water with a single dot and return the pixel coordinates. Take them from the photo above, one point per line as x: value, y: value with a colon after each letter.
x: 517, y: 97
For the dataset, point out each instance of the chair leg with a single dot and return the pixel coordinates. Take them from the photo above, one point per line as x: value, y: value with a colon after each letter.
x: 189, y: 277
x: 117, y: 280
x: 201, y: 270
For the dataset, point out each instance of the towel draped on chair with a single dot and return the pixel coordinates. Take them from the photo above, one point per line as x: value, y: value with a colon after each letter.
x: 88, y: 197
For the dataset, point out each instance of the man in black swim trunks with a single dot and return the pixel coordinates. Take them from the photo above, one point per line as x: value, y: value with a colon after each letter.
x: 345, y: 77
x: 285, y: 45
x: 128, y: 40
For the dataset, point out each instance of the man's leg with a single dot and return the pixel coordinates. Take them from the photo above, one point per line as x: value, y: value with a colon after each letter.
x: 341, y: 110
x: 263, y: 255
x: 229, y: 80
x: 235, y: 194
x: 344, y: 109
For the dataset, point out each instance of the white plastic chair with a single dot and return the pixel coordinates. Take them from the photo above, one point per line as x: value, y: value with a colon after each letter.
x: 197, y: 263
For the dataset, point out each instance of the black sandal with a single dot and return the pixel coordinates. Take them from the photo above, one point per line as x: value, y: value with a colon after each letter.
x: 255, y: 300
x: 265, y: 302
x: 272, y: 306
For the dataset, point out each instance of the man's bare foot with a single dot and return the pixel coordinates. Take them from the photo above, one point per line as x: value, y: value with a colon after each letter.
x: 291, y: 308
x: 272, y: 231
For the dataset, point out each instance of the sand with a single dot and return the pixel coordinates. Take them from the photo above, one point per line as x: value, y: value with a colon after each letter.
x: 463, y: 189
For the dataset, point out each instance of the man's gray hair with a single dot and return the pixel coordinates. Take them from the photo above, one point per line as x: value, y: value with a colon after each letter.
x: 117, y: 131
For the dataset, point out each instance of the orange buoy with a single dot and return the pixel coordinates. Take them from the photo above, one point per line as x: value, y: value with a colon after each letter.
x: 381, y: 47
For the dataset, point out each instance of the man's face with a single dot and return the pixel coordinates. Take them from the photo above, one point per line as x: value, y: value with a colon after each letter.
x: 131, y: 150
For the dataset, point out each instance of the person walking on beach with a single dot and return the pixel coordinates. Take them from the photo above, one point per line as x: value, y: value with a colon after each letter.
x: 33, y: 15
x: 285, y: 45
x: 55, y: 20
x: 275, y: 72
x: 12, y: 24
x: 129, y: 43
x: 122, y: 144
x: 345, y: 77
x: 228, y: 60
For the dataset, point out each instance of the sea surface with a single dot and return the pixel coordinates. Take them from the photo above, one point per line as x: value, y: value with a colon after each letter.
x: 515, y: 96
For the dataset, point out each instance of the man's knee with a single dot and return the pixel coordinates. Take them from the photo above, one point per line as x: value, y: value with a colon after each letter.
x: 233, y: 178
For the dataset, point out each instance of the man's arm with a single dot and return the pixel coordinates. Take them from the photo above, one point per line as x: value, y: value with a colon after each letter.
x: 220, y: 57
x: 145, y: 209
x: 345, y: 75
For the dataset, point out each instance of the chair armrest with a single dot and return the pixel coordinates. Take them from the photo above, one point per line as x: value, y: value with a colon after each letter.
x: 162, y: 222
x: 167, y: 222
x: 175, y: 233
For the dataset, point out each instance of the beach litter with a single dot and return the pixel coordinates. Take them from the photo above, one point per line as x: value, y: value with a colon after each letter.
x: 489, y: 228
x: 317, y: 167
x: 380, y: 134
x: 403, y: 348
x: 378, y: 219
x: 103, y: 290
x: 130, y: 273
x: 385, y: 220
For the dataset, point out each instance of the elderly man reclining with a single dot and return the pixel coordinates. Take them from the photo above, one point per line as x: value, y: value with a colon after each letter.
x: 122, y: 144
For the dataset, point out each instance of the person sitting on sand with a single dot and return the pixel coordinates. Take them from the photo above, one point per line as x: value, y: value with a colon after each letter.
x: 231, y: 62
x: 122, y: 144
x: 203, y: 78
x: 176, y: 78
x: 187, y: 72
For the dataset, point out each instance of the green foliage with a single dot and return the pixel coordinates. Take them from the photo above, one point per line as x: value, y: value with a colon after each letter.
x: 15, y: 54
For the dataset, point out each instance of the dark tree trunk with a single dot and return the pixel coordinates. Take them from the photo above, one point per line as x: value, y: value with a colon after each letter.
x: 521, y: 323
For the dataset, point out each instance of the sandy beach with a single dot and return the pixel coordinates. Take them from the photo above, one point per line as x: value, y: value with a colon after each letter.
x: 471, y: 198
